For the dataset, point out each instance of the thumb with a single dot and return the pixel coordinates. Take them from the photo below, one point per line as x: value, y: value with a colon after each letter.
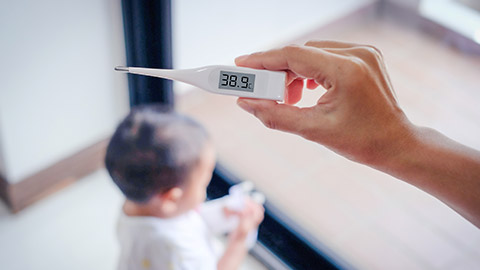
x: 278, y: 116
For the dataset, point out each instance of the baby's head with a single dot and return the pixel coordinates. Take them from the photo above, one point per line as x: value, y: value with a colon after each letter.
x: 157, y: 155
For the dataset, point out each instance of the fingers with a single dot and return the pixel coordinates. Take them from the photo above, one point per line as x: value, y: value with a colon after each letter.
x: 329, y: 44
x: 317, y: 60
x: 254, y: 211
x: 278, y: 116
x: 250, y: 216
x: 259, y: 214
x: 346, y: 48
x: 294, y: 92
x: 305, y: 62
x: 371, y: 55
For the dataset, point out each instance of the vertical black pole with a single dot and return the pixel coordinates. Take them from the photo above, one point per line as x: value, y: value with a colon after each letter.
x: 148, y: 40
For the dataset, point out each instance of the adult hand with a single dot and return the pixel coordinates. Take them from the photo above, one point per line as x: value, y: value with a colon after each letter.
x: 358, y: 117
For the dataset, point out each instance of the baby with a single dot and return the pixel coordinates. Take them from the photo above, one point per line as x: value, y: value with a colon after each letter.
x: 163, y: 161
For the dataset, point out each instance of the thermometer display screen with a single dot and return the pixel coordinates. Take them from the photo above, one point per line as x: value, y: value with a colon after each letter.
x: 236, y: 81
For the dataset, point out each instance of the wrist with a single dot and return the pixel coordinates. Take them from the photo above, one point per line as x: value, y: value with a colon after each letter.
x: 238, y: 236
x: 397, y: 149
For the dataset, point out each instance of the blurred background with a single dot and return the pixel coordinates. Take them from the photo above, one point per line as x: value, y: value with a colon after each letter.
x: 60, y: 101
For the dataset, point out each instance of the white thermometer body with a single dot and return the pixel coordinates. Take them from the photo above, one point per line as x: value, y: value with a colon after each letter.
x: 225, y: 80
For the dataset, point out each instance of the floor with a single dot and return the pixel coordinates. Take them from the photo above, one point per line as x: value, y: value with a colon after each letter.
x: 366, y: 218
x: 72, y: 229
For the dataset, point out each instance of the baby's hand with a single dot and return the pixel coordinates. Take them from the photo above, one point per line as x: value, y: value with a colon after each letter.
x: 249, y: 218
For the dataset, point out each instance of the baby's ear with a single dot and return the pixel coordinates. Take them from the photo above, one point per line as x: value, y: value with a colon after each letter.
x: 170, y: 198
x: 172, y: 195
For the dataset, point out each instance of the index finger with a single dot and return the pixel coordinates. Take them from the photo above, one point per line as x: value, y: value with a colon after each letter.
x: 306, y: 62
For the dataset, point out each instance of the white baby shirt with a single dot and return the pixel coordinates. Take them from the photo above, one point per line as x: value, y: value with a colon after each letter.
x: 180, y: 243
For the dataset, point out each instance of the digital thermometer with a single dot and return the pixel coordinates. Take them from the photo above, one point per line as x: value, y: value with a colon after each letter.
x: 225, y: 80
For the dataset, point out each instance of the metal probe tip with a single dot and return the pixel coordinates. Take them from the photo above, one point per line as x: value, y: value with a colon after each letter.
x: 121, y: 68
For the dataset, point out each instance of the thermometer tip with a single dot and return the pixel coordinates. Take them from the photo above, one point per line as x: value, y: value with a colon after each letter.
x: 120, y: 68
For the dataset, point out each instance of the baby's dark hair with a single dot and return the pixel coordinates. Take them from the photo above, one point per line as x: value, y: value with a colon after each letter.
x: 153, y: 150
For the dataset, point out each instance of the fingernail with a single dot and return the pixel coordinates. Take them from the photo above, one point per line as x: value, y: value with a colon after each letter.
x: 241, y: 58
x: 244, y: 105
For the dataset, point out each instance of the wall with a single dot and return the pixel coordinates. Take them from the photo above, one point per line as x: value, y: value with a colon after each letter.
x: 58, y: 91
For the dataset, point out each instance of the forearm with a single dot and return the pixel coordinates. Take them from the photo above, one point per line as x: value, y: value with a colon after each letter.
x: 234, y: 254
x: 440, y: 166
